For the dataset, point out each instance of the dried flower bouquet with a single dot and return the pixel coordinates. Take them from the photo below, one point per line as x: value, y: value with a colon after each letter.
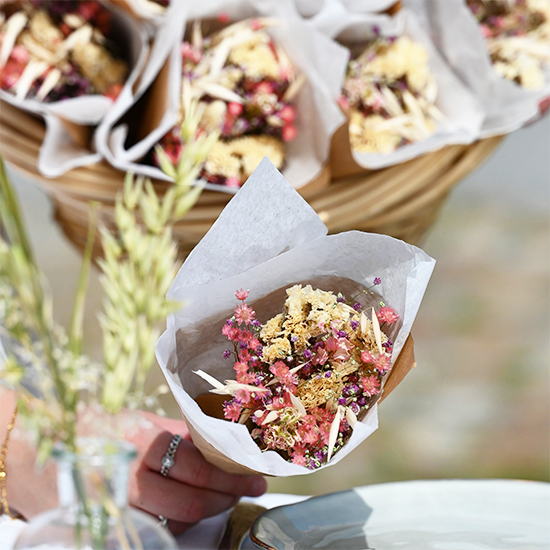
x: 245, y: 83
x: 517, y: 35
x: 306, y: 376
x: 55, y: 50
x: 389, y: 95
x: 284, y: 244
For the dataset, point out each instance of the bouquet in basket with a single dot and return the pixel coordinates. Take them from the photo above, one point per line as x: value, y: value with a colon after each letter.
x: 389, y: 94
x: 400, y: 96
x: 305, y: 377
x: 55, y: 50
x: 517, y: 35
x: 246, y: 84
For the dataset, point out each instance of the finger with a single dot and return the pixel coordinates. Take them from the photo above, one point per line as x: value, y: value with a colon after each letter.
x: 176, y: 501
x: 177, y: 527
x: 191, y: 468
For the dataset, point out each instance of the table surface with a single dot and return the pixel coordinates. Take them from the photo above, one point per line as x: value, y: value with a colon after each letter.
x: 467, y: 505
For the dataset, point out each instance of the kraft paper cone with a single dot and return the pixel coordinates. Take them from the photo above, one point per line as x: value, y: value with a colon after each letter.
x: 281, y: 242
x: 342, y: 163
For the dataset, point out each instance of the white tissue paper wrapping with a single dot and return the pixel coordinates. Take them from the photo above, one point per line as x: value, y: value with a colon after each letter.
x: 368, y: 5
x: 111, y: 134
x: 268, y: 237
x: 149, y: 11
x: 318, y: 116
x: 462, y: 110
x: 59, y: 153
x: 321, y: 8
x: 456, y: 32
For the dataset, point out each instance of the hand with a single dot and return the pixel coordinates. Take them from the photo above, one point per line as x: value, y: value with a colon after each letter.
x: 194, y: 489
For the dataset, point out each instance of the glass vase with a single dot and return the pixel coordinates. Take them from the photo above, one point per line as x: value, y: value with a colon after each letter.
x: 93, y: 510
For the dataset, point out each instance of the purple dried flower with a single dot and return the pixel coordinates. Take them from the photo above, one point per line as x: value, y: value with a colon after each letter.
x: 256, y: 323
x: 362, y: 401
x: 342, y: 334
x: 342, y: 401
x: 357, y: 306
x: 377, y: 281
x: 340, y: 299
x: 328, y: 374
x: 243, y: 345
x: 354, y: 407
x: 226, y: 354
x: 307, y: 354
x: 354, y: 325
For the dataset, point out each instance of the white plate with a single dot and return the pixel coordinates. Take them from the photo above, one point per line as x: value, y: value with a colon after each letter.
x: 415, y: 515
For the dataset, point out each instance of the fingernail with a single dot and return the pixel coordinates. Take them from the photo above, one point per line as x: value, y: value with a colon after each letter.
x: 258, y: 487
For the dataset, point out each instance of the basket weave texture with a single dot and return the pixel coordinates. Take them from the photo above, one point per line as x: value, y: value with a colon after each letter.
x: 401, y: 201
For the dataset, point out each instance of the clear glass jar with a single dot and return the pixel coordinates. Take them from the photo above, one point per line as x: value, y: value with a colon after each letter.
x: 93, y: 510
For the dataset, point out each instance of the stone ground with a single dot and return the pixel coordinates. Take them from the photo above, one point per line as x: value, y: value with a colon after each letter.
x: 477, y: 405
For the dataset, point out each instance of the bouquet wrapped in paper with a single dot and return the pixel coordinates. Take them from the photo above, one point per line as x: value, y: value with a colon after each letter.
x: 517, y: 35
x: 264, y: 80
x: 501, y: 50
x: 68, y: 61
x: 314, y: 348
x: 401, y: 98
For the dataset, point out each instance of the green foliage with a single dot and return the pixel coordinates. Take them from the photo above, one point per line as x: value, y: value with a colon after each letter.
x: 139, y: 263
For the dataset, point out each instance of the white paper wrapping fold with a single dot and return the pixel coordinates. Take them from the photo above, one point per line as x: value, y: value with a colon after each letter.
x: 111, y: 135
x: 322, y: 61
x: 59, y: 153
x: 268, y: 238
x: 456, y: 32
x: 459, y: 105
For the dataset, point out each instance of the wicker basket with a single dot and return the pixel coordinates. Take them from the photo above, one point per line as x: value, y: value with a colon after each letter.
x: 401, y: 201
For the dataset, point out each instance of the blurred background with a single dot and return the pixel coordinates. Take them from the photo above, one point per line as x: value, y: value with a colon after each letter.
x: 477, y: 405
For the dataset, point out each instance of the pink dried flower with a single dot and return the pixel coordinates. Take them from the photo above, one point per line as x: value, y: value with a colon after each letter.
x: 242, y: 294
x: 240, y: 367
x: 485, y: 31
x: 343, y: 102
x: 244, y: 314
x: 234, y: 108
x: 367, y: 357
x: 287, y: 113
x: 371, y: 385
x: 230, y: 332
x: 387, y: 315
x: 289, y: 132
x: 243, y: 395
x: 298, y: 458
x: 232, y: 411
x: 320, y: 357
x: 382, y: 363
x: 255, y: 24
x: 20, y: 54
x: 233, y: 182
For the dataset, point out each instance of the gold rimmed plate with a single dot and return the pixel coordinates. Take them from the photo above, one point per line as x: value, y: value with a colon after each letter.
x: 416, y: 515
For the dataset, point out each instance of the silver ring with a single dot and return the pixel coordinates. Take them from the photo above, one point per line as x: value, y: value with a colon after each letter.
x: 163, y: 521
x: 168, y: 459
